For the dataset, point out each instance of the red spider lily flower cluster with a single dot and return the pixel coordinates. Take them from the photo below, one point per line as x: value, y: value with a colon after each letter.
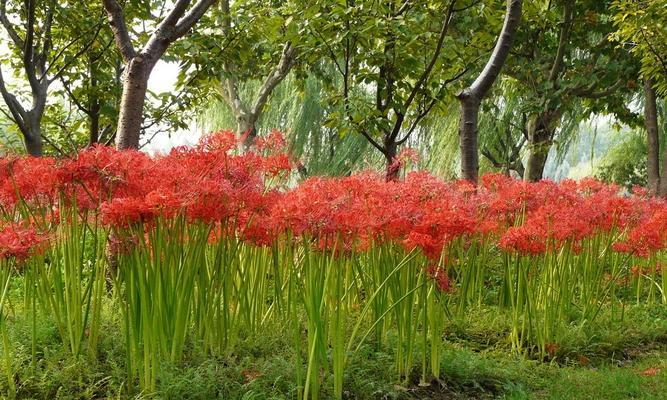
x: 241, y: 194
x: 19, y: 242
x: 647, y: 237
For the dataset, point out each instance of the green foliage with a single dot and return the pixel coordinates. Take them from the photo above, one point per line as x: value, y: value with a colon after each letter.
x: 395, y: 64
x: 625, y: 164
x: 642, y: 28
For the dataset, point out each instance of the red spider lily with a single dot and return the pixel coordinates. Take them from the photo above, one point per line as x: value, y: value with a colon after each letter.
x: 163, y: 201
x: 101, y: 173
x: 20, y: 242
x: 648, y: 237
x: 127, y: 211
x: 274, y: 142
x: 30, y: 179
x: 525, y: 240
x: 222, y: 141
x: 211, y: 183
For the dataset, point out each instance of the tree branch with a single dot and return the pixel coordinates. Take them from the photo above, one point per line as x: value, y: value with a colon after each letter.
x: 436, y: 53
x: 46, y: 46
x: 74, y: 99
x: 9, y: 27
x: 76, y: 56
x: 277, y: 75
x: 589, y: 92
x: 60, y: 52
x: 491, y: 70
x: 119, y: 29
x: 176, y: 13
x: 372, y: 141
x: 188, y: 21
x: 15, y: 108
x: 28, y: 47
x: 655, y: 53
x: 562, y: 41
x: 430, y: 106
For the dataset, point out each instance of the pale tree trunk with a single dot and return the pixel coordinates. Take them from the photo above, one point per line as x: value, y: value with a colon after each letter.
x: 541, y: 131
x: 471, y: 97
x: 653, y: 138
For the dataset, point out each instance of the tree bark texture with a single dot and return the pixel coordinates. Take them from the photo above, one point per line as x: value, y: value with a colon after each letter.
x: 653, y: 138
x: 541, y: 130
x: 471, y: 97
x: 130, y: 118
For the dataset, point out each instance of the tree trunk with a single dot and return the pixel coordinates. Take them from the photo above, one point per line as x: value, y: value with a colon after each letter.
x: 93, y: 105
x: 653, y: 138
x: 94, y: 134
x: 393, y: 168
x: 130, y: 119
x: 537, y: 159
x: 247, y: 129
x: 33, y: 141
x: 468, y: 138
x: 471, y: 97
x: 540, y: 136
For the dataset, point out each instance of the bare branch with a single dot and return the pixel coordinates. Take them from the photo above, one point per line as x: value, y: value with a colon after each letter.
x: 491, y: 70
x: 403, y: 8
x: 176, y: 13
x: 655, y: 52
x: 331, y: 53
x: 486, y: 153
x: 430, y: 106
x: 471, y: 5
x: 28, y: 47
x: 55, y: 146
x: 372, y: 141
x: 74, y: 99
x: 46, y: 46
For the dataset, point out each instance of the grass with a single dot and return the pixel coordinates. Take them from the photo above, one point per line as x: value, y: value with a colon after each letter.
x: 613, y: 359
